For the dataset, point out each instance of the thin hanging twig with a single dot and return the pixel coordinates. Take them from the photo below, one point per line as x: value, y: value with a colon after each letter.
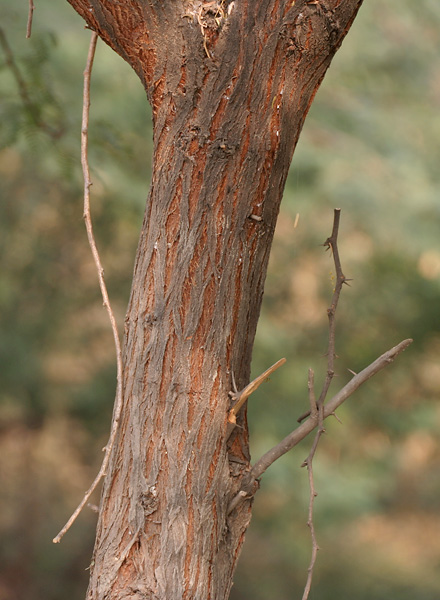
x: 30, y: 17
x: 106, y: 301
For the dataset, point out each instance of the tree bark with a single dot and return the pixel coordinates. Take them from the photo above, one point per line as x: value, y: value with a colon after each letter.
x: 230, y: 84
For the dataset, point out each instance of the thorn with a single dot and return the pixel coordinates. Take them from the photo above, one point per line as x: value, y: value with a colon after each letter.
x: 352, y: 372
x: 336, y: 417
x: 303, y: 416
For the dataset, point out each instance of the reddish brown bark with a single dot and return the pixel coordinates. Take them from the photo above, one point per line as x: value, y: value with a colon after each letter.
x: 228, y: 107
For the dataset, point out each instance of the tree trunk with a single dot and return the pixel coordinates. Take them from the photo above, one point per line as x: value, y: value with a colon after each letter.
x: 230, y: 84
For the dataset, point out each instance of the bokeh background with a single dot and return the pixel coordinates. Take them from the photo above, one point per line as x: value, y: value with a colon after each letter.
x: 371, y: 146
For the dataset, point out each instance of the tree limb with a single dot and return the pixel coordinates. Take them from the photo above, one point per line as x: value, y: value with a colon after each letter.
x: 303, y: 430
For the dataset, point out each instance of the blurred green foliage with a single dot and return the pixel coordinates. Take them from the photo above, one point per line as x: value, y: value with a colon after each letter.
x: 370, y: 146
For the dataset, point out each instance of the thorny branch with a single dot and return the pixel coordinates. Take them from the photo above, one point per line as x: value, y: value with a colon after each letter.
x: 318, y: 410
x: 303, y: 430
x: 332, y: 244
x: 106, y: 301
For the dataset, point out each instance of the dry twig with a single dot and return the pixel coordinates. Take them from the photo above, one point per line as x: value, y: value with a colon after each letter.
x: 298, y: 434
x: 30, y: 17
x: 316, y: 413
x: 106, y: 301
x: 332, y: 244
x: 303, y: 430
x: 318, y: 410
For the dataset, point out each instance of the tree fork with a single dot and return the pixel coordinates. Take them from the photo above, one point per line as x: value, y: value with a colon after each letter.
x: 230, y: 85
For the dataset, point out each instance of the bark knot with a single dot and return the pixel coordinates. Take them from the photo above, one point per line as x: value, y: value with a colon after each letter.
x: 149, y: 500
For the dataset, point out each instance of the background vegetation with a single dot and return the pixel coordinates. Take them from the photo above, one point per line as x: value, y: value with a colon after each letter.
x: 370, y: 146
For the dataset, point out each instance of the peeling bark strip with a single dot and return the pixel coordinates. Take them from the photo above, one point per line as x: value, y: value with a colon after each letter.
x: 230, y: 84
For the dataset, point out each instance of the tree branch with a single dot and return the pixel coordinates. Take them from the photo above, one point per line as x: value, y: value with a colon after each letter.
x: 303, y: 430
x: 106, y: 301
x: 315, y: 413
x: 298, y: 434
x: 318, y: 410
x: 332, y: 244
x: 30, y: 17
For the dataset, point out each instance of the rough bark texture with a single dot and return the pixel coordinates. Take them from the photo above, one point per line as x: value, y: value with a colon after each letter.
x: 230, y: 84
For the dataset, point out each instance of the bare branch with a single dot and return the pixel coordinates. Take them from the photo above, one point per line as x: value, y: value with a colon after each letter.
x: 106, y: 301
x: 312, y: 396
x: 310, y: 522
x: 317, y: 411
x: 332, y: 244
x: 30, y: 17
x: 303, y: 430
